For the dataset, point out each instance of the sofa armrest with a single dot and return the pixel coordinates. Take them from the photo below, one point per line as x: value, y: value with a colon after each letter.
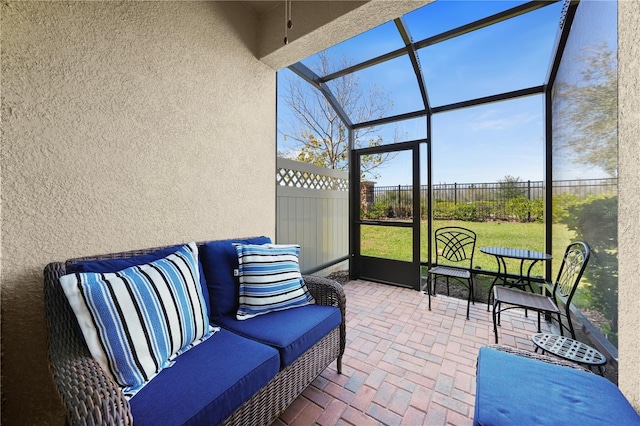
x: 330, y: 293
x: 88, y: 394
x: 326, y: 291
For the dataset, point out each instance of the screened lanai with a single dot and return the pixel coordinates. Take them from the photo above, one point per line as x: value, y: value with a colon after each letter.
x: 497, y: 116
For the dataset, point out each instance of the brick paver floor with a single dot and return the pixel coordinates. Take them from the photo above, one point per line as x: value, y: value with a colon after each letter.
x: 404, y: 364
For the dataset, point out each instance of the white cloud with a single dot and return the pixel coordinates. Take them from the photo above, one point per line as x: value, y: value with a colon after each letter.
x: 497, y: 120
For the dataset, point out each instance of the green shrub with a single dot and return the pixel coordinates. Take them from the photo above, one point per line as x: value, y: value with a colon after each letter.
x: 484, y: 210
x: 561, y: 205
x: 537, y: 210
x: 526, y: 210
x: 595, y: 221
x: 379, y: 210
x: 443, y: 210
x: 466, y: 212
x: 519, y: 207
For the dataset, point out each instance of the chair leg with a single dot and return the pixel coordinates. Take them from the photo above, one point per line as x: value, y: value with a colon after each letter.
x: 495, y: 326
x: 569, y: 326
x: 473, y: 293
x: 560, y: 325
x: 429, y: 290
x: 469, y: 297
x: 568, y: 315
x: 448, y: 286
x: 491, y: 293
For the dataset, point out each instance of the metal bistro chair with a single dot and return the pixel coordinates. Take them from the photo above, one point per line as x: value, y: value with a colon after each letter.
x: 573, y: 265
x: 454, y: 259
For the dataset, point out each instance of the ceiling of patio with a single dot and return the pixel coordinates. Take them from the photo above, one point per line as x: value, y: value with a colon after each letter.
x: 318, y: 25
x: 438, y: 55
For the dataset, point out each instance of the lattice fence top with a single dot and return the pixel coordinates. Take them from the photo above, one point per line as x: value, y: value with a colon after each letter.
x: 310, y: 180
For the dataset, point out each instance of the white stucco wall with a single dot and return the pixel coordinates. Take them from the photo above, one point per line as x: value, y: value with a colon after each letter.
x: 125, y: 125
x: 629, y: 198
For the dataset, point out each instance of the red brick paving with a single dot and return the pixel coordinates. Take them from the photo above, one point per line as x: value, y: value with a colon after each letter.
x: 404, y: 364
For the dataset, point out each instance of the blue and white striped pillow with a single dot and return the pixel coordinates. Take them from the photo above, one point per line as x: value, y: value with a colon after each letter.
x: 270, y: 279
x: 136, y: 321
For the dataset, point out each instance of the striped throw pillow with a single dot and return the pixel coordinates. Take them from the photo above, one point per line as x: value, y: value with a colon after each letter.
x: 270, y: 279
x: 136, y: 321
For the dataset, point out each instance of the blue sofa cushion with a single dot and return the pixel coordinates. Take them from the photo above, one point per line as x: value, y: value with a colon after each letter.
x: 115, y: 265
x: 207, y: 383
x: 219, y: 260
x: 291, y: 331
x: 514, y: 390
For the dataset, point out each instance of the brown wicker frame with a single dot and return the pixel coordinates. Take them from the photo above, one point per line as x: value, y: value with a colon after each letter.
x: 539, y: 357
x: 91, y: 397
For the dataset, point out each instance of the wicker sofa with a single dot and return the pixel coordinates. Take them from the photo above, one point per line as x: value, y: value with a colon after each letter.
x: 248, y: 372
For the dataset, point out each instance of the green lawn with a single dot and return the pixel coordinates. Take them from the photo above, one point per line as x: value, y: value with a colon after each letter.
x: 395, y: 243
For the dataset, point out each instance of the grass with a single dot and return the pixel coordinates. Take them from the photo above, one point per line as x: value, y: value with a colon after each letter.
x: 395, y: 243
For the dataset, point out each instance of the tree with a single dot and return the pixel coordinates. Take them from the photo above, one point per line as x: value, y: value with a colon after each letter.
x: 586, y: 128
x: 587, y: 111
x: 316, y: 134
x: 510, y: 187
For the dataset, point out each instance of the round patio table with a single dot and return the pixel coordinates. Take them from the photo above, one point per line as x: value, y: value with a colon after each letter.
x: 523, y: 255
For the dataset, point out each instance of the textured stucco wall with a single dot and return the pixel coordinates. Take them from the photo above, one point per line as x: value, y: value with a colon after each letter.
x: 125, y: 125
x: 629, y: 198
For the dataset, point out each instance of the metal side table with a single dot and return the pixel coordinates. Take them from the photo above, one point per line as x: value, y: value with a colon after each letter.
x: 570, y: 349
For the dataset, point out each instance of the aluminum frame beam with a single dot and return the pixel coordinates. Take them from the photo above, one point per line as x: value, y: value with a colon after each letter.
x: 312, y: 78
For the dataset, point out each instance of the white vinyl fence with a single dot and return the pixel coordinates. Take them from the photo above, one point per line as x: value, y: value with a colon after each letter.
x: 312, y: 211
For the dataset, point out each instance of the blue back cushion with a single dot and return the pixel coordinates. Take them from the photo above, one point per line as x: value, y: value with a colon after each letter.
x: 219, y: 260
x: 115, y: 265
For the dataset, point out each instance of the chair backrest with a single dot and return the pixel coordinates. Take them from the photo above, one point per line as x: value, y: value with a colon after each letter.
x: 573, y: 265
x: 455, y: 245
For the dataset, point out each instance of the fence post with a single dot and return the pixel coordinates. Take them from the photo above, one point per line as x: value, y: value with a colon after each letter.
x: 529, y: 198
x: 455, y: 194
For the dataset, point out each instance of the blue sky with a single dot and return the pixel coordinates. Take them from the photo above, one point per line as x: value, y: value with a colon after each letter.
x: 479, y: 144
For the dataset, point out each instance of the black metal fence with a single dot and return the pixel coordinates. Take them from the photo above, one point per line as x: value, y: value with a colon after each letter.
x: 511, y: 200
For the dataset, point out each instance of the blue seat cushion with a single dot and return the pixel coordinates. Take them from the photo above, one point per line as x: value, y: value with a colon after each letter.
x: 115, y: 265
x: 291, y: 331
x: 219, y: 260
x: 207, y: 383
x: 514, y: 390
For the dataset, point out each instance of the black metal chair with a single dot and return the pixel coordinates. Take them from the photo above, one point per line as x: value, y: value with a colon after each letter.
x: 573, y: 265
x: 454, y: 259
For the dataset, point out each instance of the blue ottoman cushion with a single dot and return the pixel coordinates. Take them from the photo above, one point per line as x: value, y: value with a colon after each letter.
x: 514, y: 390
x: 207, y: 383
x: 291, y: 331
